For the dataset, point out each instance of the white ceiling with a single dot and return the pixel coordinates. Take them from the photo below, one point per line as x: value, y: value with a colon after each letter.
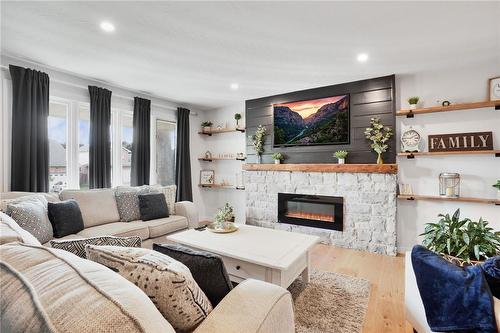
x: 191, y: 52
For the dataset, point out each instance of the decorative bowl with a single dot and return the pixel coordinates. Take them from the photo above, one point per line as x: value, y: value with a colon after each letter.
x: 222, y: 228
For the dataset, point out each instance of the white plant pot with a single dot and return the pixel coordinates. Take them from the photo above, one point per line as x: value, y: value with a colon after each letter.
x: 206, y: 129
x: 277, y: 161
x: 498, y: 195
x: 341, y: 160
x: 413, y: 106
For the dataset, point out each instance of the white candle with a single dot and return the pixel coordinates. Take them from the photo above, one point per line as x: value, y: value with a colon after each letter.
x: 449, y: 192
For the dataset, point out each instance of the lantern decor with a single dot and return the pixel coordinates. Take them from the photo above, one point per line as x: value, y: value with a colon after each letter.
x: 449, y: 185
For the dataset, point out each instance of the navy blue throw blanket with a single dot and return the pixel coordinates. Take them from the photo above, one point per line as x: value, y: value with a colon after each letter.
x: 455, y: 298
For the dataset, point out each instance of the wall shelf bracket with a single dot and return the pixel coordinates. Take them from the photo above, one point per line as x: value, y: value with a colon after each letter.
x: 497, y: 107
x: 410, y: 115
x: 411, y: 156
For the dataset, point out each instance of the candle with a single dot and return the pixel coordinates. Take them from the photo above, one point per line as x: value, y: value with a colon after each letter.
x: 450, y: 192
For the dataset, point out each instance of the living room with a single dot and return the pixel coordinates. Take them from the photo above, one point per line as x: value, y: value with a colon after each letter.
x: 290, y: 161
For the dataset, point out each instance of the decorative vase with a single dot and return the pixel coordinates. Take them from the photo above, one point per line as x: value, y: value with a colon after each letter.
x: 498, y: 195
x: 206, y: 129
x: 277, y: 161
x: 379, y: 159
x: 341, y: 160
x: 259, y: 158
x: 413, y: 106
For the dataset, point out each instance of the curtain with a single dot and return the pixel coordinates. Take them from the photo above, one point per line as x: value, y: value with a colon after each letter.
x: 182, y: 160
x: 100, y: 143
x: 30, y: 141
x: 141, y: 143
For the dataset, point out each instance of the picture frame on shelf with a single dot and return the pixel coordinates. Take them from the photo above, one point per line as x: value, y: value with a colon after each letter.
x: 494, y: 88
x: 207, y: 177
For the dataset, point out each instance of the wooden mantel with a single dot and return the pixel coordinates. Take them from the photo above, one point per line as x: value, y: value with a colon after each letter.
x: 353, y: 168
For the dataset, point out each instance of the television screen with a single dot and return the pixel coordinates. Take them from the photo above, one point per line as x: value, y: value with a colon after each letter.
x: 312, y: 122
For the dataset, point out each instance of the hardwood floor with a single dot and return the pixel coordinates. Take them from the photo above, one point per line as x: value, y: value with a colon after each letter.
x: 386, y: 312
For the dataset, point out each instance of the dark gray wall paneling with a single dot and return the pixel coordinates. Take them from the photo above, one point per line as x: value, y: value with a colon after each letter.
x: 369, y: 98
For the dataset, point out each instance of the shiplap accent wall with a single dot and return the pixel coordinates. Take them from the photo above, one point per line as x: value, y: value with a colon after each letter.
x: 368, y: 98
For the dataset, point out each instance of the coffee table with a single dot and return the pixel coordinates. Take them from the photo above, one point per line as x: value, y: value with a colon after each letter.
x: 274, y: 256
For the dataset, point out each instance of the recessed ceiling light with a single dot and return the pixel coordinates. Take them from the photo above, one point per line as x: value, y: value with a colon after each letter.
x: 362, y: 57
x: 107, y: 26
x: 234, y: 86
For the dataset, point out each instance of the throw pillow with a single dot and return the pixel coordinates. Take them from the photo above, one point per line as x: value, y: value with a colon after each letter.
x: 207, y: 269
x: 77, y: 246
x: 31, y: 215
x: 166, y: 281
x: 170, y: 192
x: 152, y: 206
x: 66, y: 218
x: 11, y: 232
x: 491, y: 269
x: 127, y: 201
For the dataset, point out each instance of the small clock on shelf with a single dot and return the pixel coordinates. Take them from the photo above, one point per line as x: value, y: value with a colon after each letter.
x: 410, y: 140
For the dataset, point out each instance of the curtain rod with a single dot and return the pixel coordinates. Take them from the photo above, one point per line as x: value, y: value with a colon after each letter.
x: 168, y: 107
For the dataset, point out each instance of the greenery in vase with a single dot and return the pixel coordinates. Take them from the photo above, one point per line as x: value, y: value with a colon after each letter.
x: 464, y: 239
x: 497, y: 185
x: 379, y: 135
x: 225, y: 213
x: 258, y: 139
x: 206, y: 124
x: 413, y: 100
x: 341, y: 154
x: 278, y: 157
x: 237, y: 117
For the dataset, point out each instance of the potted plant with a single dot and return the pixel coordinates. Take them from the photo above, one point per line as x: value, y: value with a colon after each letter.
x: 341, y: 155
x: 379, y: 135
x: 258, y: 140
x: 206, y: 126
x: 497, y: 186
x: 225, y: 214
x: 462, y: 242
x: 237, y: 117
x: 413, y: 101
x: 278, y: 157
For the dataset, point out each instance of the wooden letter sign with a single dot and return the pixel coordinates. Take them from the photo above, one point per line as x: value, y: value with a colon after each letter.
x: 461, y: 141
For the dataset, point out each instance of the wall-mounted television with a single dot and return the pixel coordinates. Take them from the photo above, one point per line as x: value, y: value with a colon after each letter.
x: 323, y: 121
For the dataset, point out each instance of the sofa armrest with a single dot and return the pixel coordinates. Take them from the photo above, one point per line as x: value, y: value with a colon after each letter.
x: 252, y: 307
x: 189, y: 211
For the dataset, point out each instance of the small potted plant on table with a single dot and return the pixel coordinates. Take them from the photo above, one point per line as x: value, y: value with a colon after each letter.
x: 413, y: 101
x: 206, y: 126
x: 341, y: 155
x: 497, y: 186
x: 278, y: 157
x: 225, y: 214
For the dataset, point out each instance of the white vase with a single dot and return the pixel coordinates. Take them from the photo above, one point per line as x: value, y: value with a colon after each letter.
x: 207, y: 129
x: 277, y: 161
x: 341, y: 160
x: 498, y: 195
x: 413, y: 106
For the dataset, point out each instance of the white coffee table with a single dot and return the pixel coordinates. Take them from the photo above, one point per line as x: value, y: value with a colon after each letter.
x: 275, y: 256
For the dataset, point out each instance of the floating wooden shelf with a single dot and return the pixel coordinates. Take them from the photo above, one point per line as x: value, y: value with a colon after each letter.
x: 354, y: 168
x: 221, y: 159
x: 224, y: 130
x: 219, y: 186
x: 462, y: 199
x: 454, y: 107
x: 465, y: 152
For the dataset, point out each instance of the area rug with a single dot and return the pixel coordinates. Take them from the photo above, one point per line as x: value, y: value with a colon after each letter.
x: 330, y: 303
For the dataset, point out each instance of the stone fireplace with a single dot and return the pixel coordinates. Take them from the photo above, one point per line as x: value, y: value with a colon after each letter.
x: 368, y: 194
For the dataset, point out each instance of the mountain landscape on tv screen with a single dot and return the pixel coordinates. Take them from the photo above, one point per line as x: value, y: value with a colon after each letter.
x: 321, y: 121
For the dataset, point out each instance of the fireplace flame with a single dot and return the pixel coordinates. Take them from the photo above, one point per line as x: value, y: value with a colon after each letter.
x: 311, y: 216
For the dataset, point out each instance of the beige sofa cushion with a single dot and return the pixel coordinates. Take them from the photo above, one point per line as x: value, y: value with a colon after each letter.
x: 45, y: 290
x: 120, y: 229
x: 11, y: 232
x: 165, y: 280
x: 166, y: 225
x: 97, y: 206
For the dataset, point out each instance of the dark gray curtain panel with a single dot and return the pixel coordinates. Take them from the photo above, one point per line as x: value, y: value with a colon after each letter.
x: 30, y: 141
x: 182, y: 160
x: 141, y: 144
x: 100, y: 143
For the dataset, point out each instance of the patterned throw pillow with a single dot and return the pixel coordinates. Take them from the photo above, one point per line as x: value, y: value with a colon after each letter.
x: 31, y: 215
x: 127, y: 201
x: 166, y: 281
x: 169, y: 192
x: 77, y: 246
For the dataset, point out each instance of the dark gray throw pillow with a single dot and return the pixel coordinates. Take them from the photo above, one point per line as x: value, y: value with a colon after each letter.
x: 207, y: 269
x: 152, y: 206
x: 65, y: 217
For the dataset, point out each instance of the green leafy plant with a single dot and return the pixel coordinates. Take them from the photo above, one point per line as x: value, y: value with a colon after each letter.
x: 413, y: 100
x: 206, y: 124
x: 237, y: 117
x: 463, y: 239
x: 341, y: 154
x: 258, y: 139
x: 225, y: 213
x: 497, y: 185
x: 278, y: 156
x: 379, y: 135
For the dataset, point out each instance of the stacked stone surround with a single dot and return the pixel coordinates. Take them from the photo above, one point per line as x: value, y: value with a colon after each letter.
x: 369, y: 205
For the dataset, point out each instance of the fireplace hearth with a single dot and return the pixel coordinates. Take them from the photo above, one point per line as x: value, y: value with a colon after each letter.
x: 317, y: 211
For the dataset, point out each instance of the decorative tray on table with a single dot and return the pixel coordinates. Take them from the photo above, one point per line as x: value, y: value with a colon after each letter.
x: 222, y: 228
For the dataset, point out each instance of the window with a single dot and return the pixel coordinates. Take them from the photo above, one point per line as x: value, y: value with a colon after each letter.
x: 126, y: 148
x: 83, y: 145
x: 58, y: 157
x: 166, y: 135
